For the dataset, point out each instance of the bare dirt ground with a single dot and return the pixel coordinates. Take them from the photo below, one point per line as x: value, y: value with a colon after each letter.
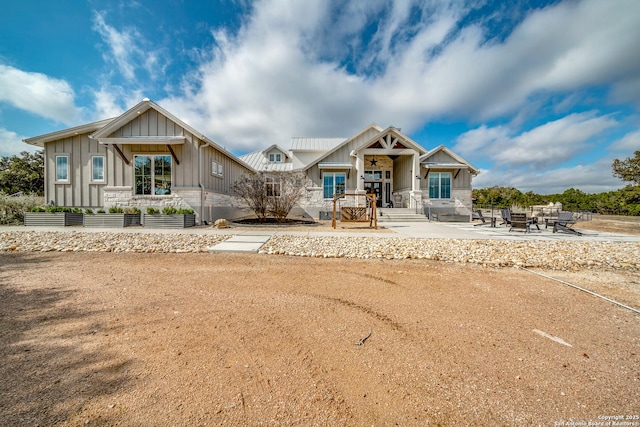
x: 202, y: 339
x: 612, y: 224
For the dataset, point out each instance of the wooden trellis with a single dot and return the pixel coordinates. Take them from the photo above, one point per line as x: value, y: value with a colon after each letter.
x: 356, y: 213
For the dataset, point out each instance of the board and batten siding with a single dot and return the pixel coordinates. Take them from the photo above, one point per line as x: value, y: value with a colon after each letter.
x: 403, y: 173
x: 152, y: 123
x: 460, y: 182
x: 231, y: 171
x: 79, y: 191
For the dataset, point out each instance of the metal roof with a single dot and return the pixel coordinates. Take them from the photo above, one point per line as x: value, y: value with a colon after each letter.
x: 314, y: 144
x: 259, y: 162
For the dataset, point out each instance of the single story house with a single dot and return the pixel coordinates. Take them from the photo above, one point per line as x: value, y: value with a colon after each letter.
x: 385, y: 162
x: 148, y: 157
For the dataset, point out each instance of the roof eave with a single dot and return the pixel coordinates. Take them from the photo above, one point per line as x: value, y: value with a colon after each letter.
x: 40, y: 140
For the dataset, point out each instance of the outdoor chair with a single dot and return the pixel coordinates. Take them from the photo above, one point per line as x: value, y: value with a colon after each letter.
x: 565, y: 222
x: 506, y: 216
x: 478, y: 215
x: 519, y: 222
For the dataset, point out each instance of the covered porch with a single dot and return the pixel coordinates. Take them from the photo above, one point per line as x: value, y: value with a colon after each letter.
x: 389, y: 167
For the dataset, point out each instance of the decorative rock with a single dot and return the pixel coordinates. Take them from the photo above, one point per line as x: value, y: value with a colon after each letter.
x: 221, y: 223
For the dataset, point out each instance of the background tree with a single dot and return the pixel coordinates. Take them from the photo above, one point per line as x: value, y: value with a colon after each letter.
x: 24, y: 173
x: 628, y: 169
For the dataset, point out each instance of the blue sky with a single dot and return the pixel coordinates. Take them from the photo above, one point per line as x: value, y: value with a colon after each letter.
x: 539, y: 95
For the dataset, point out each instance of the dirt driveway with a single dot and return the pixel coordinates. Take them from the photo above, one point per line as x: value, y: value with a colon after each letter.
x: 200, y: 339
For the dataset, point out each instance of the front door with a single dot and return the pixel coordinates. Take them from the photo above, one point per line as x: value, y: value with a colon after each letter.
x: 374, y: 187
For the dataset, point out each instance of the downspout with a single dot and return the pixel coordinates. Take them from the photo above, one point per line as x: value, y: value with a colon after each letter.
x: 200, y: 182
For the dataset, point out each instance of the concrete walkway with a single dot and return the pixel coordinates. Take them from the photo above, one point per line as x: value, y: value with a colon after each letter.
x: 241, y: 243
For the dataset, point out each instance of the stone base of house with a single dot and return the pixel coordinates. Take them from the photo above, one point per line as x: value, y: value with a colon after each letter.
x: 223, y: 206
x: 458, y: 207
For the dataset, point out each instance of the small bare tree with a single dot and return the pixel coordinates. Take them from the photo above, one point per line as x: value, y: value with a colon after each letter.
x: 270, y: 193
x: 284, y: 190
x: 251, y: 189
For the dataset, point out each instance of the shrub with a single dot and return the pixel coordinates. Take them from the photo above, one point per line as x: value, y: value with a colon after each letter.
x: 132, y: 211
x: 100, y: 211
x: 169, y: 210
x: 88, y: 211
x: 54, y: 209
x: 12, y: 209
x: 152, y: 211
x: 185, y: 211
x: 115, y: 209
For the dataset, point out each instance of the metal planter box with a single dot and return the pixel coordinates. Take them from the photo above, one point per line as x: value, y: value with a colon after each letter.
x: 52, y: 219
x: 169, y: 221
x: 111, y: 220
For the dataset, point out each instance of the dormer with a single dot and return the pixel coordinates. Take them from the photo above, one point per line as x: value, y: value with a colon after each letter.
x: 275, y: 154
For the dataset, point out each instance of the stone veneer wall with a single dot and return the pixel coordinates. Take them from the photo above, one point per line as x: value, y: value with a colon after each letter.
x: 217, y: 206
x: 460, y: 202
x: 180, y: 198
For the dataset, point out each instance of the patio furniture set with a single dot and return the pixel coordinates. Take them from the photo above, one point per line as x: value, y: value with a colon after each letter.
x: 563, y: 222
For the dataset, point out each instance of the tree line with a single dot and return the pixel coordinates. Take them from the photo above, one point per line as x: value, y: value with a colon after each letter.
x: 625, y: 201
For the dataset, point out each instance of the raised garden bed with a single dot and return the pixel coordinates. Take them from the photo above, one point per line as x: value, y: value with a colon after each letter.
x: 52, y: 219
x: 169, y: 221
x: 112, y: 220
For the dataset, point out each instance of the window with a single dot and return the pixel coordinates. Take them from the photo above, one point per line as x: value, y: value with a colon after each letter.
x: 275, y: 157
x: 333, y: 183
x: 440, y: 185
x: 62, y: 168
x: 274, y: 187
x: 152, y: 175
x: 97, y: 168
x: 369, y: 175
x: 216, y: 168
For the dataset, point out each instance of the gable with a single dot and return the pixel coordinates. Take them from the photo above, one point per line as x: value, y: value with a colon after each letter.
x: 390, y: 140
x: 148, y: 123
x: 442, y: 157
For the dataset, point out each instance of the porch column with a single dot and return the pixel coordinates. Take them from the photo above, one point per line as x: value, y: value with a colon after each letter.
x: 360, y: 172
x: 416, y: 173
x: 416, y: 194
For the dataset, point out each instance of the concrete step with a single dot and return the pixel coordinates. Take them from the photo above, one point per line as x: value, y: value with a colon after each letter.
x: 400, y: 215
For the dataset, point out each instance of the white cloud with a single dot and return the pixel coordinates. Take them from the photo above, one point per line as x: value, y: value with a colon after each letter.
x: 553, y: 142
x: 129, y: 50
x: 284, y: 73
x: 629, y: 142
x: 11, y: 143
x: 590, y: 178
x: 39, y: 94
x: 476, y: 140
x: 544, y: 146
x: 111, y: 101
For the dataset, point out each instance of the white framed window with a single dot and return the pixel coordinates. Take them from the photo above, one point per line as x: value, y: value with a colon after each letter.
x: 217, y: 168
x: 373, y: 175
x: 439, y: 185
x: 97, y: 168
x: 274, y: 186
x: 275, y: 157
x: 333, y: 183
x: 62, y: 168
x: 152, y: 174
